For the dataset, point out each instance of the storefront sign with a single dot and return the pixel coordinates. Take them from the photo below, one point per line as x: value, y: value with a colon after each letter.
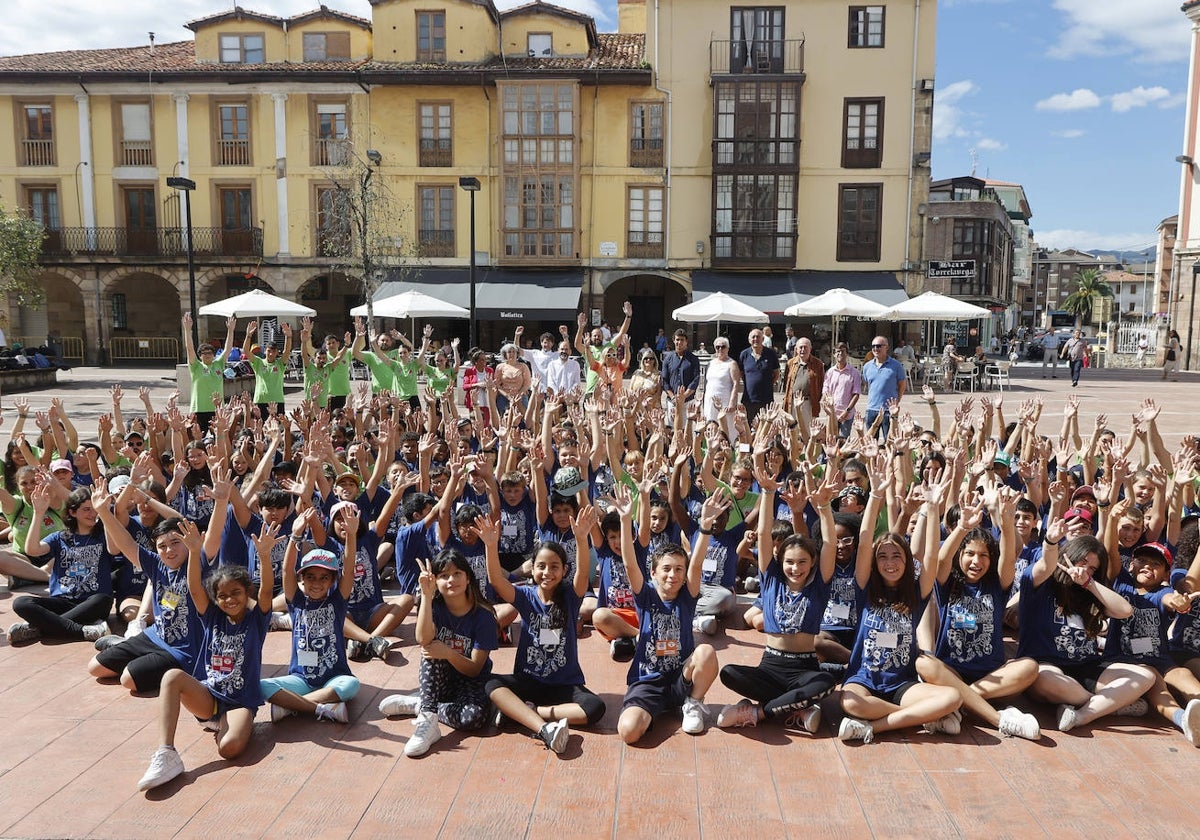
x: 951, y: 269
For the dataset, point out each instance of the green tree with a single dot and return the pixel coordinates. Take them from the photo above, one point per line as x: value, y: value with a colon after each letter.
x: 1090, y: 286
x: 20, y: 250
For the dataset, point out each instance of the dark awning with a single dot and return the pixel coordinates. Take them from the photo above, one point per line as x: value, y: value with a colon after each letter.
x: 501, y: 294
x: 776, y: 291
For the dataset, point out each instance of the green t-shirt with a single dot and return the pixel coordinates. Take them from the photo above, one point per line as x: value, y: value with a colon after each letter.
x: 405, y: 377
x: 339, y: 378
x: 596, y: 354
x: 208, y: 381
x: 383, y: 377
x: 740, y: 507
x: 268, y: 379
x: 22, y: 520
x: 439, y: 380
x: 316, y: 382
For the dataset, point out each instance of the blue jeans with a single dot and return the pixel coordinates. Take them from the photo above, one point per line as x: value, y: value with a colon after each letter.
x: 885, y: 426
x: 1076, y: 369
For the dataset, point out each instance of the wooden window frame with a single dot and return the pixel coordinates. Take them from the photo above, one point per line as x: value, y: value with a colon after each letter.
x: 843, y: 255
x: 545, y: 34
x: 321, y: 155
x: 648, y: 157
x: 435, y: 155
x: 241, y: 36
x: 326, y: 34
x: 862, y: 158
x: 27, y: 153
x: 218, y: 157
x: 645, y: 249
x: 430, y: 54
x: 432, y: 242
x: 866, y: 34
x: 773, y: 59
x: 119, y: 156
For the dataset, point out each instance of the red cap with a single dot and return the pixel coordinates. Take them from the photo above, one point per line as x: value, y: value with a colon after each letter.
x: 1078, y: 513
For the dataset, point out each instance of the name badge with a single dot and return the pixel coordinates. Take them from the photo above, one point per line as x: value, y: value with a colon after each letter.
x: 710, y: 564
x: 170, y: 600
x: 549, y: 638
x: 1075, y: 621
x: 666, y: 647
x: 1141, y: 645
x: 886, y: 640
x: 841, y: 612
x: 963, y: 621
x: 306, y: 658
x: 509, y: 531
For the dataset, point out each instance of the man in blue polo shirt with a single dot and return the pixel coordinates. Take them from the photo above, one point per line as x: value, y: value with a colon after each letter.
x: 680, y: 369
x: 884, y: 378
x: 760, y: 370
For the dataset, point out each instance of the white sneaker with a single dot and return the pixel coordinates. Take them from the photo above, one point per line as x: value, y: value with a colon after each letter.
x: 808, y: 719
x: 1191, y: 722
x: 278, y: 713
x: 165, y: 765
x: 694, y: 716
x: 706, y: 624
x: 280, y: 621
x: 1068, y: 718
x: 554, y: 735
x: 1017, y: 724
x: 92, y: 632
x: 335, y: 712
x: 424, y: 736
x: 1137, y: 708
x: 853, y: 729
x: 400, y: 704
x: 951, y: 724
x: 741, y: 713
x: 135, y: 628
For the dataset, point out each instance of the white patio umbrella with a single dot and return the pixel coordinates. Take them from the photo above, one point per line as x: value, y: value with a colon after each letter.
x: 412, y: 304
x: 932, y: 306
x: 256, y: 304
x: 836, y: 304
x: 718, y: 307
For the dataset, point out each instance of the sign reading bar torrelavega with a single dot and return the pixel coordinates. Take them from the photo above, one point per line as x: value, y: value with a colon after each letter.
x: 951, y: 269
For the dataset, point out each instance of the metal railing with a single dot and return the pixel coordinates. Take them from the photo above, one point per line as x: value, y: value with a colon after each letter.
x: 763, y: 57
x: 136, y: 153
x: 233, y: 153
x: 436, y: 243
x: 70, y: 346
x: 644, y: 246
x: 138, y: 348
x: 644, y: 152
x: 436, y: 152
x: 37, y: 152
x: 161, y: 242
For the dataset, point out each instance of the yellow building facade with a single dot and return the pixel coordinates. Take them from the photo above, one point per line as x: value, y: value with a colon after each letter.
x: 771, y: 151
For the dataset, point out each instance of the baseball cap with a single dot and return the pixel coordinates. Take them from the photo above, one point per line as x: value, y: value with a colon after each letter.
x: 134, y: 433
x: 1156, y: 550
x: 319, y: 558
x: 349, y: 477
x: 339, y: 507
x: 117, y: 483
x: 568, y: 481
x: 61, y: 464
x: 1085, y: 490
x: 1004, y: 458
x: 1078, y: 513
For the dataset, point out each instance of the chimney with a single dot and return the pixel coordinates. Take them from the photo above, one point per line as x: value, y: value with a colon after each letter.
x: 631, y: 17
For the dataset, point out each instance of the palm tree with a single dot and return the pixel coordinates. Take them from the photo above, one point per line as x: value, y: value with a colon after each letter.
x: 1090, y: 286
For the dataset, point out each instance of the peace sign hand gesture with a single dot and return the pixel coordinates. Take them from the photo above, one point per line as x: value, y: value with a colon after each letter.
x: 426, y: 579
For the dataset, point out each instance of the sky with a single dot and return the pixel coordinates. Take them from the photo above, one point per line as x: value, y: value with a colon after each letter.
x: 1080, y: 101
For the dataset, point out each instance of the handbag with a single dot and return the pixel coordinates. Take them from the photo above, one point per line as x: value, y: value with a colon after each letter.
x: 1170, y: 355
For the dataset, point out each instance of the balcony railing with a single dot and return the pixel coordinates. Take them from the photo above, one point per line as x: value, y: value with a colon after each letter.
x: 161, y: 242
x: 436, y: 152
x: 644, y: 246
x: 643, y: 152
x: 37, y: 153
x: 233, y: 152
x: 331, y: 151
x: 136, y: 153
x: 762, y: 57
x: 436, y: 243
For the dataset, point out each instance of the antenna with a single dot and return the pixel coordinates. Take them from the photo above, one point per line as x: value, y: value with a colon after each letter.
x: 974, y: 161
x: 151, y: 43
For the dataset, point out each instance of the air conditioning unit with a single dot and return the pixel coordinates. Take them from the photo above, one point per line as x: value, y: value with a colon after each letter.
x: 921, y: 159
x: 927, y: 86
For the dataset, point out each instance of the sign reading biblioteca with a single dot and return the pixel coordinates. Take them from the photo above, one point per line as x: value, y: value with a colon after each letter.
x: 951, y: 269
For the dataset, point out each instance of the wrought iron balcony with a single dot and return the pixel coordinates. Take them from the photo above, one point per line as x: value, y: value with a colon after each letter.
x: 762, y: 57
x: 89, y: 243
x: 436, y: 243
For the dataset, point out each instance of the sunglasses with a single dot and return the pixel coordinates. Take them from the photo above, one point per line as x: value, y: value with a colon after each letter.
x: 878, y: 346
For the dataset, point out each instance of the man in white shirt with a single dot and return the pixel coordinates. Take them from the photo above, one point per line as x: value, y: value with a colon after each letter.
x: 541, y: 358
x: 562, y: 372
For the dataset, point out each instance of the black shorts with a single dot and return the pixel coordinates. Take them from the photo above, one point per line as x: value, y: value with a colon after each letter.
x: 658, y: 695
x: 894, y: 696
x: 146, y: 661
x: 545, y: 694
x: 1087, y: 674
x: 845, y: 638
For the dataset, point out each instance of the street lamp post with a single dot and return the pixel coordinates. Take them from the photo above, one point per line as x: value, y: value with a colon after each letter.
x: 471, y: 185
x: 186, y: 185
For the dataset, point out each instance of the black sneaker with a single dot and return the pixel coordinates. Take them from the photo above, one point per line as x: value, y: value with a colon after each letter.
x: 622, y: 649
x: 356, y: 651
x: 378, y: 647
x: 105, y: 642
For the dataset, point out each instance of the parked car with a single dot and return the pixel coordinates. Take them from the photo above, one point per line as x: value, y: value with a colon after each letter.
x: 1033, y: 351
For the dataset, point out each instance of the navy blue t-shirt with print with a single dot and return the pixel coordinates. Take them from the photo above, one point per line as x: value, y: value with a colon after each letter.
x: 177, y: 628
x: 720, y: 560
x: 518, y: 526
x: 367, y: 595
x: 1141, y: 638
x: 230, y: 663
x: 787, y: 611
x: 1047, y: 634
x: 841, y: 611
x: 971, y: 627
x: 885, y: 652
x: 614, y: 589
x: 318, y: 644
x: 475, y: 630
x: 548, y: 650
x: 664, y: 640
x: 82, y: 566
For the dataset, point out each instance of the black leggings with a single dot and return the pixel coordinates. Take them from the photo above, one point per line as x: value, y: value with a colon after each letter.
x: 63, y: 618
x: 783, y: 682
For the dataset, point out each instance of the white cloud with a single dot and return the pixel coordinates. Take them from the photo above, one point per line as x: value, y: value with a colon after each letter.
x: 947, y: 115
x: 1139, y: 97
x: 1084, y: 239
x: 1068, y: 133
x: 1152, y: 31
x: 1077, y: 100
x: 987, y: 144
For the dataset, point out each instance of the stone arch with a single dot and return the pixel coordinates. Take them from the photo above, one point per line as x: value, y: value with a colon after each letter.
x: 140, y: 303
x: 654, y: 294
x: 61, y: 314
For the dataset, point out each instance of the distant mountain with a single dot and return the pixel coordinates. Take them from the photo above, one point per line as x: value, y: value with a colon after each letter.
x: 1125, y: 257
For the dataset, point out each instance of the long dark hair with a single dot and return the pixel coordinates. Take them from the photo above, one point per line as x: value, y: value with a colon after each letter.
x: 74, y: 502
x: 904, y: 598
x: 1075, y: 600
x: 991, y: 578
x: 454, y: 557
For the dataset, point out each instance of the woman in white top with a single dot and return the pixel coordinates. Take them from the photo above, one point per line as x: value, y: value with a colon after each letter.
x: 722, y: 385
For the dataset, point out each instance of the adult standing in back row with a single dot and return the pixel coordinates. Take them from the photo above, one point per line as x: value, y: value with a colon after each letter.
x: 759, y: 366
x: 885, y: 381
